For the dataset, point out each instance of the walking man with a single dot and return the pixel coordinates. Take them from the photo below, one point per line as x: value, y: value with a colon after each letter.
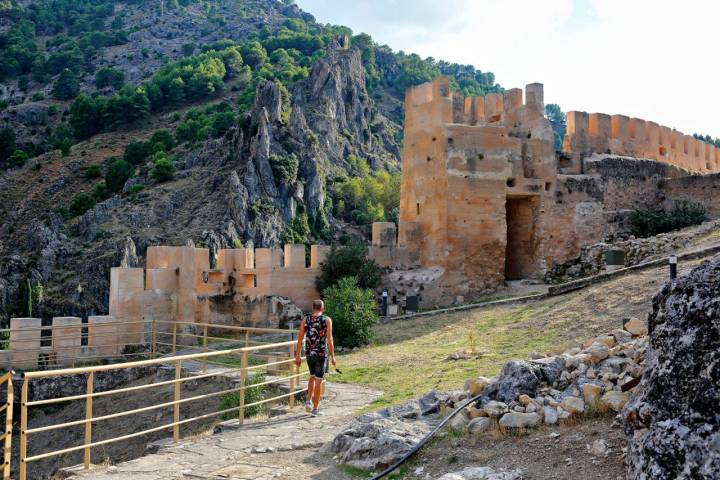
x: 318, y: 330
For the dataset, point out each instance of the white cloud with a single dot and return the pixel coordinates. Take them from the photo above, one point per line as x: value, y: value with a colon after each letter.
x: 653, y: 59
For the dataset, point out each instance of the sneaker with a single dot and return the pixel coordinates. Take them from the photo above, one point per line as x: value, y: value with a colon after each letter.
x: 314, y: 412
x: 308, y: 406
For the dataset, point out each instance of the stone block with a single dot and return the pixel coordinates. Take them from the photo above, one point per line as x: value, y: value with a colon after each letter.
x: 25, y: 342
x: 67, y: 339
x: 103, y: 339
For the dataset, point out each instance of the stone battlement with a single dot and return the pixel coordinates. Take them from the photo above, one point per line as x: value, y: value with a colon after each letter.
x: 178, y: 285
x: 434, y: 103
x: 634, y: 137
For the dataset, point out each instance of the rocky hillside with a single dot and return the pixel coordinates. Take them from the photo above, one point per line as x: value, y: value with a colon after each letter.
x: 125, y: 124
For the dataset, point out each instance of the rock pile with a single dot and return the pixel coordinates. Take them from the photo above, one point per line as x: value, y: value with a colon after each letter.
x: 526, y: 394
x: 637, y: 250
x: 549, y: 389
x: 672, y: 423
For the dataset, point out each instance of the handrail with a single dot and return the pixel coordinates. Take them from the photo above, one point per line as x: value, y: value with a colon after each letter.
x: 7, y: 436
x: 92, y: 422
x: 230, y: 327
x: 156, y: 361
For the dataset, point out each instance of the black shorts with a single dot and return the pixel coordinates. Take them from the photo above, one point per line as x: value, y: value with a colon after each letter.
x: 317, y: 365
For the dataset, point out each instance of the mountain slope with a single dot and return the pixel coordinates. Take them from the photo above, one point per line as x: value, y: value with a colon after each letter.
x: 273, y: 119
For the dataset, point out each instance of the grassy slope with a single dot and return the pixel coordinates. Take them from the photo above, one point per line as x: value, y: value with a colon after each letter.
x: 409, y: 357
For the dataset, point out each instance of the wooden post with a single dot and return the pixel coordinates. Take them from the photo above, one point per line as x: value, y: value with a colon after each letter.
x: 243, y: 377
x: 174, y: 336
x: 23, y: 429
x: 176, y: 414
x: 88, y: 418
x: 294, y: 368
x: 205, y: 349
x: 153, y: 346
x: 247, y: 338
x: 8, y: 430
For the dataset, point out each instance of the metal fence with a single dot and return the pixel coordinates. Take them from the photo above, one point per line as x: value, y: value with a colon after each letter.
x: 199, y: 364
x: 7, y: 408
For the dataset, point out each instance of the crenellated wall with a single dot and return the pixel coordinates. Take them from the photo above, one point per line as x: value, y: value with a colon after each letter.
x: 178, y: 285
x: 634, y: 137
x: 486, y: 199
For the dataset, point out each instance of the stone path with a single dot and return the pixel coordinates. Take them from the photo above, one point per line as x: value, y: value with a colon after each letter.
x: 237, y: 452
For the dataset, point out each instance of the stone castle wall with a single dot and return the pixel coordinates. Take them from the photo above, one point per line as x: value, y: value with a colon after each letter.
x: 485, y: 198
x: 178, y: 285
x: 633, y: 137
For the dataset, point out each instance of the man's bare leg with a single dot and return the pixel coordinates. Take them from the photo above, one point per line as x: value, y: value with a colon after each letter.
x: 311, y: 389
x: 317, y: 392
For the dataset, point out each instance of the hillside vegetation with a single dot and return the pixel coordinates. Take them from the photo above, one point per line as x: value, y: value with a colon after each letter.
x: 125, y: 124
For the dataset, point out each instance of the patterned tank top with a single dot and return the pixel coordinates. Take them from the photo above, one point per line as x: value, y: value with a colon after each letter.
x: 316, y: 335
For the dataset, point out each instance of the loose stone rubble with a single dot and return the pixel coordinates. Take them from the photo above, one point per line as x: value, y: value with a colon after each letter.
x: 482, y: 473
x: 526, y: 394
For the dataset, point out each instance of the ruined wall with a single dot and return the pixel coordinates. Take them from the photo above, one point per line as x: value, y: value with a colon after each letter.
x: 634, y: 137
x: 178, y: 285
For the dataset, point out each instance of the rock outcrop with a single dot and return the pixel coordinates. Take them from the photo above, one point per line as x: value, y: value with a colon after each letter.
x: 672, y: 422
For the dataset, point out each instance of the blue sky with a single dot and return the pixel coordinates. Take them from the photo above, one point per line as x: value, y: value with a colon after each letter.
x: 654, y: 59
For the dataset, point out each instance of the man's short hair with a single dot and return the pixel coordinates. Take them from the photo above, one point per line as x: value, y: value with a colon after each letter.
x: 318, y: 305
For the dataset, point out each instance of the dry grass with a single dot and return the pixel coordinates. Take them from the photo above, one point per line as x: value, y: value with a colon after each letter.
x: 410, y: 357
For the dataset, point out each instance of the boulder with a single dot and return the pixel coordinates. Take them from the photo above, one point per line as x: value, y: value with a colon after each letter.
x: 598, y: 352
x: 482, y: 473
x: 550, y: 415
x: 591, y: 393
x: 523, y: 377
x: 373, y: 441
x: 476, y: 385
x: 614, y: 400
x: 479, y: 424
x: 520, y: 420
x: 459, y: 421
x: 636, y: 327
x: 495, y: 409
x: 573, y: 405
x: 672, y: 422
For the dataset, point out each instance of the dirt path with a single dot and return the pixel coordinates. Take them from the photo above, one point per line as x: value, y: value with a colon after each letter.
x: 239, y: 452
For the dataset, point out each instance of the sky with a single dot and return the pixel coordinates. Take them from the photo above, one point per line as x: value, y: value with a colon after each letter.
x: 653, y: 59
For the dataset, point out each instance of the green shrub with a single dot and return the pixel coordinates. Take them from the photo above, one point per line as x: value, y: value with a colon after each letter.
x: 135, y: 189
x: 81, y: 204
x: 367, y: 197
x: 109, y: 77
x: 38, y: 96
x: 18, y: 158
x: 93, y: 171
x: 298, y: 230
x: 346, y: 261
x: 7, y: 143
x: 52, y: 110
x: 650, y: 222
x: 100, y: 192
x: 65, y: 146
x: 221, y: 123
x: 163, y: 168
x: 163, y: 137
x: 67, y: 85
x: 353, y: 311
x: 118, y: 172
x: 252, y: 395
x: 284, y: 167
x: 136, y: 152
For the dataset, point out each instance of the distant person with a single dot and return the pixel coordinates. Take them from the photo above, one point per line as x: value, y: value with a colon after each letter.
x: 318, y: 330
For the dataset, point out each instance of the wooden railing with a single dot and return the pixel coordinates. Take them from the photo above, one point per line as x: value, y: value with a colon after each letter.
x: 6, y: 438
x: 204, y: 359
